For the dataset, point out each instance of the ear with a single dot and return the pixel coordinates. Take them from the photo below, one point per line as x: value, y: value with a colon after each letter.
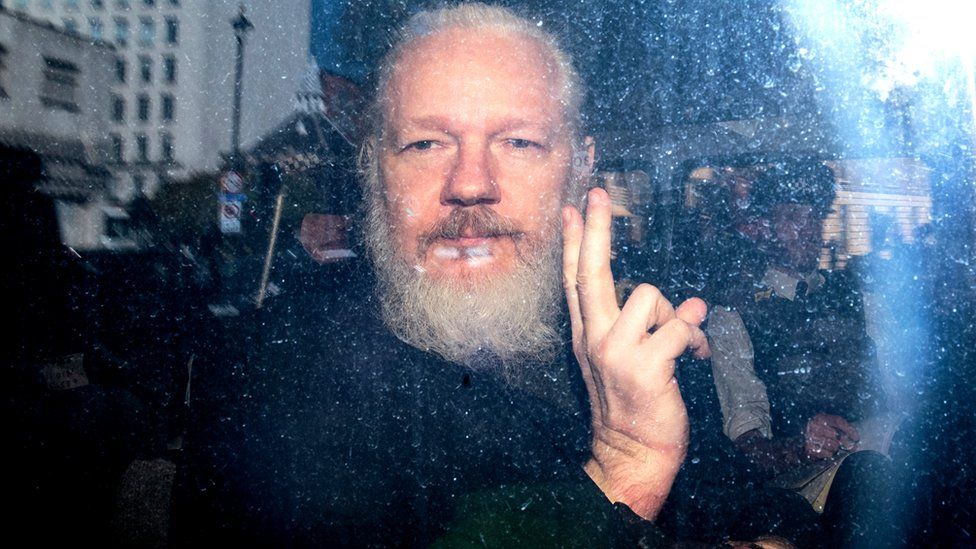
x: 367, y: 151
x: 590, y: 144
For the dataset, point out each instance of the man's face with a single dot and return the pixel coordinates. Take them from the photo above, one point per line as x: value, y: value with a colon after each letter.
x: 475, y: 155
x: 797, y: 236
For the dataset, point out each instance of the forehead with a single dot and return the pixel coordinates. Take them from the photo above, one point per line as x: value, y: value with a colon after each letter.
x: 473, y: 77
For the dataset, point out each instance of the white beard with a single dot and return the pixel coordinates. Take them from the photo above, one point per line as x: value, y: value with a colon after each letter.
x: 506, y: 322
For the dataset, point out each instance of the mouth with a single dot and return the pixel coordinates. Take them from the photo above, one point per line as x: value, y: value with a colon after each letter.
x: 468, y: 241
x: 470, y: 237
x: 473, y: 250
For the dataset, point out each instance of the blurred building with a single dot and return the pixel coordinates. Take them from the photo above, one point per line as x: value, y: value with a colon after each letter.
x: 172, y: 80
x: 51, y: 99
x: 312, y: 153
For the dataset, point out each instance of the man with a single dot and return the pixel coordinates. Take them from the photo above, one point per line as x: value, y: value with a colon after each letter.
x: 441, y: 406
x: 792, y: 364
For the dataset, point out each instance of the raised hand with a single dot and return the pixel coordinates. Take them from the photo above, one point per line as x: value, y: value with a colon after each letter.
x: 627, y: 356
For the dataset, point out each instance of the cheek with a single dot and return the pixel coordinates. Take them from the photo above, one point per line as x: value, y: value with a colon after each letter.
x: 538, y: 192
x: 535, y: 210
x: 409, y: 200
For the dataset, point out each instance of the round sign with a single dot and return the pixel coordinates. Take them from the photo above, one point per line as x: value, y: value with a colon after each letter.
x: 232, y: 210
x: 231, y: 182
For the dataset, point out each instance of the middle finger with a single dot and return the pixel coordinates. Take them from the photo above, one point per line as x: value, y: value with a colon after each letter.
x: 594, y: 280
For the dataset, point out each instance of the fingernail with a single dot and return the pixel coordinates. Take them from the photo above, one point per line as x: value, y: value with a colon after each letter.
x: 594, y: 194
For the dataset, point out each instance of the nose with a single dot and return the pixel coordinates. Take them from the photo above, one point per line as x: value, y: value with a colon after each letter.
x: 472, y: 180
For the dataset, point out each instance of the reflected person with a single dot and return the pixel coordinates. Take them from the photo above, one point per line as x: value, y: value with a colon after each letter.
x: 446, y: 403
x: 793, y: 365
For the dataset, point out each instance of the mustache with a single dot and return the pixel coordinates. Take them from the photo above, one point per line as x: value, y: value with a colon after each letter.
x: 468, y: 222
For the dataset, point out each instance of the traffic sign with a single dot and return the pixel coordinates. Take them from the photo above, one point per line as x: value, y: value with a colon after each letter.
x: 230, y: 217
x: 231, y: 182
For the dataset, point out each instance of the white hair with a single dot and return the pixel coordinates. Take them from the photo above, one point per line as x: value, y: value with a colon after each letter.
x: 513, y: 318
x: 474, y: 17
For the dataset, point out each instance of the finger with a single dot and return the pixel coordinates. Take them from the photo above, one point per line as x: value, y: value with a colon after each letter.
x: 820, y: 432
x: 645, y: 309
x: 572, y: 239
x: 830, y: 446
x: 814, y: 446
x: 693, y: 311
x: 848, y: 444
x: 598, y: 302
x: 843, y: 427
x: 818, y: 427
x: 672, y: 339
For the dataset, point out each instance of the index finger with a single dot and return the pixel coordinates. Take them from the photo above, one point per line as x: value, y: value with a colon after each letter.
x: 572, y: 239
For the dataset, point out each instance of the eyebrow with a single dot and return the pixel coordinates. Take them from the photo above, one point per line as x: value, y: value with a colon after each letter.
x: 436, y: 122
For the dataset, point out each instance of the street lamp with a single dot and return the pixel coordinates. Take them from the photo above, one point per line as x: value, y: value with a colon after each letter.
x: 241, y: 26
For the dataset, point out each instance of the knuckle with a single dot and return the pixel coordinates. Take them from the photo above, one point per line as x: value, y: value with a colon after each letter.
x: 582, y: 279
x: 569, y: 285
x: 589, y: 277
x: 646, y: 292
x: 604, y: 352
x: 680, y: 328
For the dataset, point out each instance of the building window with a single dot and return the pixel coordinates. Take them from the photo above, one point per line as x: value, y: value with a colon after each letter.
x: 169, y: 69
x: 118, y: 148
x: 147, y: 31
x: 143, y: 107
x: 122, y: 4
x: 97, y: 4
x: 70, y: 26
x: 121, y: 31
x: 172, y: 30
x: 166, y: 147
x: 97, y: 31
x: 174, y: 2
x: 149, y: 3
x: 118, y: 228
x: 168, y: 107
x: 118, y: 108
x: 60, y: 85
x: 142, y: 147
x: 145, y: 68
x: 120, y: 70
x: 3, y: 65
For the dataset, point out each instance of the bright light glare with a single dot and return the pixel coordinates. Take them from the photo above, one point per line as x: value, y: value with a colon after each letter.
x: 904, y: 41
x: 939, y: 28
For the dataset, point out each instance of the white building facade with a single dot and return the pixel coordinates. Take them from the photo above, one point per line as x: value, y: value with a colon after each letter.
x: 52, y: 105
x: 170, y: 91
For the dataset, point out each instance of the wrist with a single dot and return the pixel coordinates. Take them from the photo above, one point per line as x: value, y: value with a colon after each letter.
x: 634, y: 474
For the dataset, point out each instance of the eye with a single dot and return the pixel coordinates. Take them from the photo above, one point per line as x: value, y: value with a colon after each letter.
x: 424, y: 145
x: 519, y: 143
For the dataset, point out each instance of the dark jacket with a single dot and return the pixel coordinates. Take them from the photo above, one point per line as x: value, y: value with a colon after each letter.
x: 813, y: 353
x: 331, y: 431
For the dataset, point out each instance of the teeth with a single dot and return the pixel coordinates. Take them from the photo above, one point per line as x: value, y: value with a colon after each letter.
x: 477, y: 251
x: 474, y: 255
x: 447, y: 252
